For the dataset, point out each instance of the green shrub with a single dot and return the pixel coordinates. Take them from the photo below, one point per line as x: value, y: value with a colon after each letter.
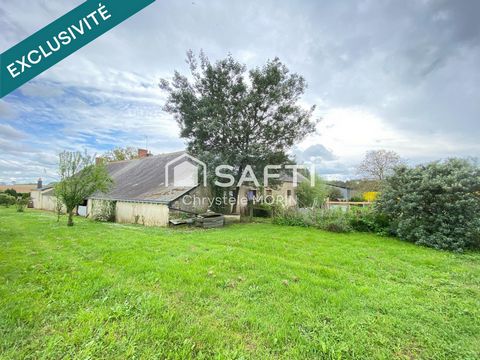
x: 334, y: 194
x: 21, y: 203
x: 368, y: 219
x: 289, y: 217
x: 12, y: 192
x: 436, y: 205
x: 365, y: 219
x: 267, y: 209
x: 260, y: 211
x: 6, y: 200
x: 335, y: 222
x: 325, y: 219
x: 312, y: 196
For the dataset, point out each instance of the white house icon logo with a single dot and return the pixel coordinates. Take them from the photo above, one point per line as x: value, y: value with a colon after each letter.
x: 185, y: 171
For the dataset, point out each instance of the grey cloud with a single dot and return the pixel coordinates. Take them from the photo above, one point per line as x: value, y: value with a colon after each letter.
x: 314, y: 153
x: 335, y: 170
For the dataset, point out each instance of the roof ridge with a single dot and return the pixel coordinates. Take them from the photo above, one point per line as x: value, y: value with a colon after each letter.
x: 147, y: 157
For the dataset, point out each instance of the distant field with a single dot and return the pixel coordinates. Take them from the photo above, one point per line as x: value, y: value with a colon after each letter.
x: 246, y: 291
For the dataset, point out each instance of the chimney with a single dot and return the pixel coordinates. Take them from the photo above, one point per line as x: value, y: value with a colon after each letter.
x: 39, y: 183
x: 142, y: 153
x: 99, y: 160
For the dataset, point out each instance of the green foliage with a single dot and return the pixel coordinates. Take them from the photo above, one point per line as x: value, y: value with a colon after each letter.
x: 260, y: 211
x: 267, y: 209
x: 334, y: 220
x: 289, y: 217
x: 368, y: 219
x: 25, y: 195
x: 436, y: 205
x: 6, y: 200
x: 240, y: 118
x: 58, y: 208
x: 103, y: 210
x: 21, y: 203
x: 312, y: 196
x: 334, y: 194
x: 119, y: 154
x: 273, y: 207
x: 220, y: 195
x: 79, y: 179
x: 12, y: 192
x: 362, y: 219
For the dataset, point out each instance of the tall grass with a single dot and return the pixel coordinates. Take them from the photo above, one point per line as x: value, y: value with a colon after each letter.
x: 335, y: 220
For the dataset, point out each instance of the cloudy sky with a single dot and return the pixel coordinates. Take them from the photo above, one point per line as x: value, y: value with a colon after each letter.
x: 398, y: 75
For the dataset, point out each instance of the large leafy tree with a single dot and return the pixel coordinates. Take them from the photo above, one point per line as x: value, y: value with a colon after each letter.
x: 231, y: 115
x: 80, y: 177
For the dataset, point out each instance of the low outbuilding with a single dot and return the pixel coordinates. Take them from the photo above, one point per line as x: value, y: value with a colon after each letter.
x: 142, y: 194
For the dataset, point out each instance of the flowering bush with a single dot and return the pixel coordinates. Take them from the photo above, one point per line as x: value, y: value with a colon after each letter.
x: 370, y: 196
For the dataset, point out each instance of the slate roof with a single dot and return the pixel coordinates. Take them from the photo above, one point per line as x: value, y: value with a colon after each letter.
x: 142, y: 180
x: 47, y: 191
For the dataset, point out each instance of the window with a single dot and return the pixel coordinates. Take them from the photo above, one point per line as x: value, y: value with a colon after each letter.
x: 289, y: 193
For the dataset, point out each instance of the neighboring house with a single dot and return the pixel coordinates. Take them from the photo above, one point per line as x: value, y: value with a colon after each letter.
x: 286, y: 192
x: 43, y: 197
x: 145, y: 192
x: 141, y: 194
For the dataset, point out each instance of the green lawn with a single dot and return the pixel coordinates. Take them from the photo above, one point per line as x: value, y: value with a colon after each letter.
x: 246, y: 291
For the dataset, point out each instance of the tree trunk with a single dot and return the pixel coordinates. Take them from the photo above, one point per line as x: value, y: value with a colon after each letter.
x: 70, y: 218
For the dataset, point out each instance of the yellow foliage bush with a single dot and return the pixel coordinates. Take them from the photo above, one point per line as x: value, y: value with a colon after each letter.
x: 370, y: 196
